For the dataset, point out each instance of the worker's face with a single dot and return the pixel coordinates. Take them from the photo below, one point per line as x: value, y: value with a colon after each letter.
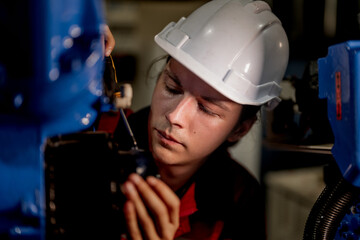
x: 189, y: 119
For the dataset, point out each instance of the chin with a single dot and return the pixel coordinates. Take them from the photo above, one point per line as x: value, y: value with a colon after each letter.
x: 164, y: 156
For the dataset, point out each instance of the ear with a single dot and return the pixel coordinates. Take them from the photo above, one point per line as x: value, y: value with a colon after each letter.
x: 241, y: 130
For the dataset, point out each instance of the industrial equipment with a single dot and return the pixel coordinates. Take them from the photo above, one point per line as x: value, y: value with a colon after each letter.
x: 58, y: 179
x: 336, y: 213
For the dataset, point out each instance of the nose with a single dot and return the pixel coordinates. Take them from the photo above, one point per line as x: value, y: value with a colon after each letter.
x: 182, y: 111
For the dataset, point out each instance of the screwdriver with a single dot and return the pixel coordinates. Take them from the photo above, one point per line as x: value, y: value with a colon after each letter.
x: 129, y: 128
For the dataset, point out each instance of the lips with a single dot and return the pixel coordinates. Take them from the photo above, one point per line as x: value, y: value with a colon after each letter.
x: 167, y: 138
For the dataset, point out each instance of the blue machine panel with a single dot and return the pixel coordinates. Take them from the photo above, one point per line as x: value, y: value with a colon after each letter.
x: 339, y: 81
x: 50, y: 77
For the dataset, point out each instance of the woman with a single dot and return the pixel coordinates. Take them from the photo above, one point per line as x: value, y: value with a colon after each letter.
x: 225, y: 62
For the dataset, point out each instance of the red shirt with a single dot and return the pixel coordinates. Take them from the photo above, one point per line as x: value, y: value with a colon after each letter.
x: 187, y: 208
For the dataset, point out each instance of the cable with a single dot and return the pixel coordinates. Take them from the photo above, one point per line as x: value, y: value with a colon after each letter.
x: 329, y: 209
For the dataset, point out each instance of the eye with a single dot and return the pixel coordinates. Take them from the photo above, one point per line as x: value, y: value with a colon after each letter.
x: 173, y: 90
x: 171, y: 86
x: 206, y: 110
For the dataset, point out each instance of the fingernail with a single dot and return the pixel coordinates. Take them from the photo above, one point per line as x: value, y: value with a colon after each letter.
x: 135, y: 178
x: 127, y: 187
x: 151, y: 180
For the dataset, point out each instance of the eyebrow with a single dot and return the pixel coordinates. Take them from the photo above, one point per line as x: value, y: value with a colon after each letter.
x: 206, y: 98
x: 172, y: 76
x: 216, y: 102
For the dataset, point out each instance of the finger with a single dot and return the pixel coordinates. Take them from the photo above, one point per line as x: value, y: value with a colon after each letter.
x: 156, y: 205
x: 168, y: 197
x: 109, y: 41
x: 142, y: 214
x: 131, y: 221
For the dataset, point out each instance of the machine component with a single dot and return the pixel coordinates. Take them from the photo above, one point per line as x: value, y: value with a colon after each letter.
x: 116, y: 94
x: 334, y: 216
x: 330, y: 208
x: 339, y: 83
x: 349, y: 227
x: 120, y: 95
x: 57, y: 179
x: 84, y: 172
x: 237, y: 71
x: 50, y: 77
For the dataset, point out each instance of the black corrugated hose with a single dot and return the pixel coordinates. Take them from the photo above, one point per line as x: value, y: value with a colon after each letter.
x: 329, y: 209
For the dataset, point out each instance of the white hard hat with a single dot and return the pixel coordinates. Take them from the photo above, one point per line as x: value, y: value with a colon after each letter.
x: 238, y: 47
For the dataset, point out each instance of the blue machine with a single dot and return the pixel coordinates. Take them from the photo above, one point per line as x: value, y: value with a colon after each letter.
x: 339, y: 82
x: 336, y: 214
x: 50, y: 77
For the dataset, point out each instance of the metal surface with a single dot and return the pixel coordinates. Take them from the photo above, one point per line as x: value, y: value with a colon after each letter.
x: 339, y: 83
x: 49, y: 81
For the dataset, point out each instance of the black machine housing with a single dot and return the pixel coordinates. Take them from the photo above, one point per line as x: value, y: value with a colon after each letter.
x: 83, y: 175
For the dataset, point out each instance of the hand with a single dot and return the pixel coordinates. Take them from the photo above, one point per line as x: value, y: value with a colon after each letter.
x: 109, y: 41
x: 163, y: 204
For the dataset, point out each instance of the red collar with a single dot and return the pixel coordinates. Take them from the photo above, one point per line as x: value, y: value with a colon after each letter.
x: 188, y: 203
x: 187, y: 207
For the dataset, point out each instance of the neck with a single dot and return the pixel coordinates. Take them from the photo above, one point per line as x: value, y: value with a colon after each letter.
x: 176, y: 176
